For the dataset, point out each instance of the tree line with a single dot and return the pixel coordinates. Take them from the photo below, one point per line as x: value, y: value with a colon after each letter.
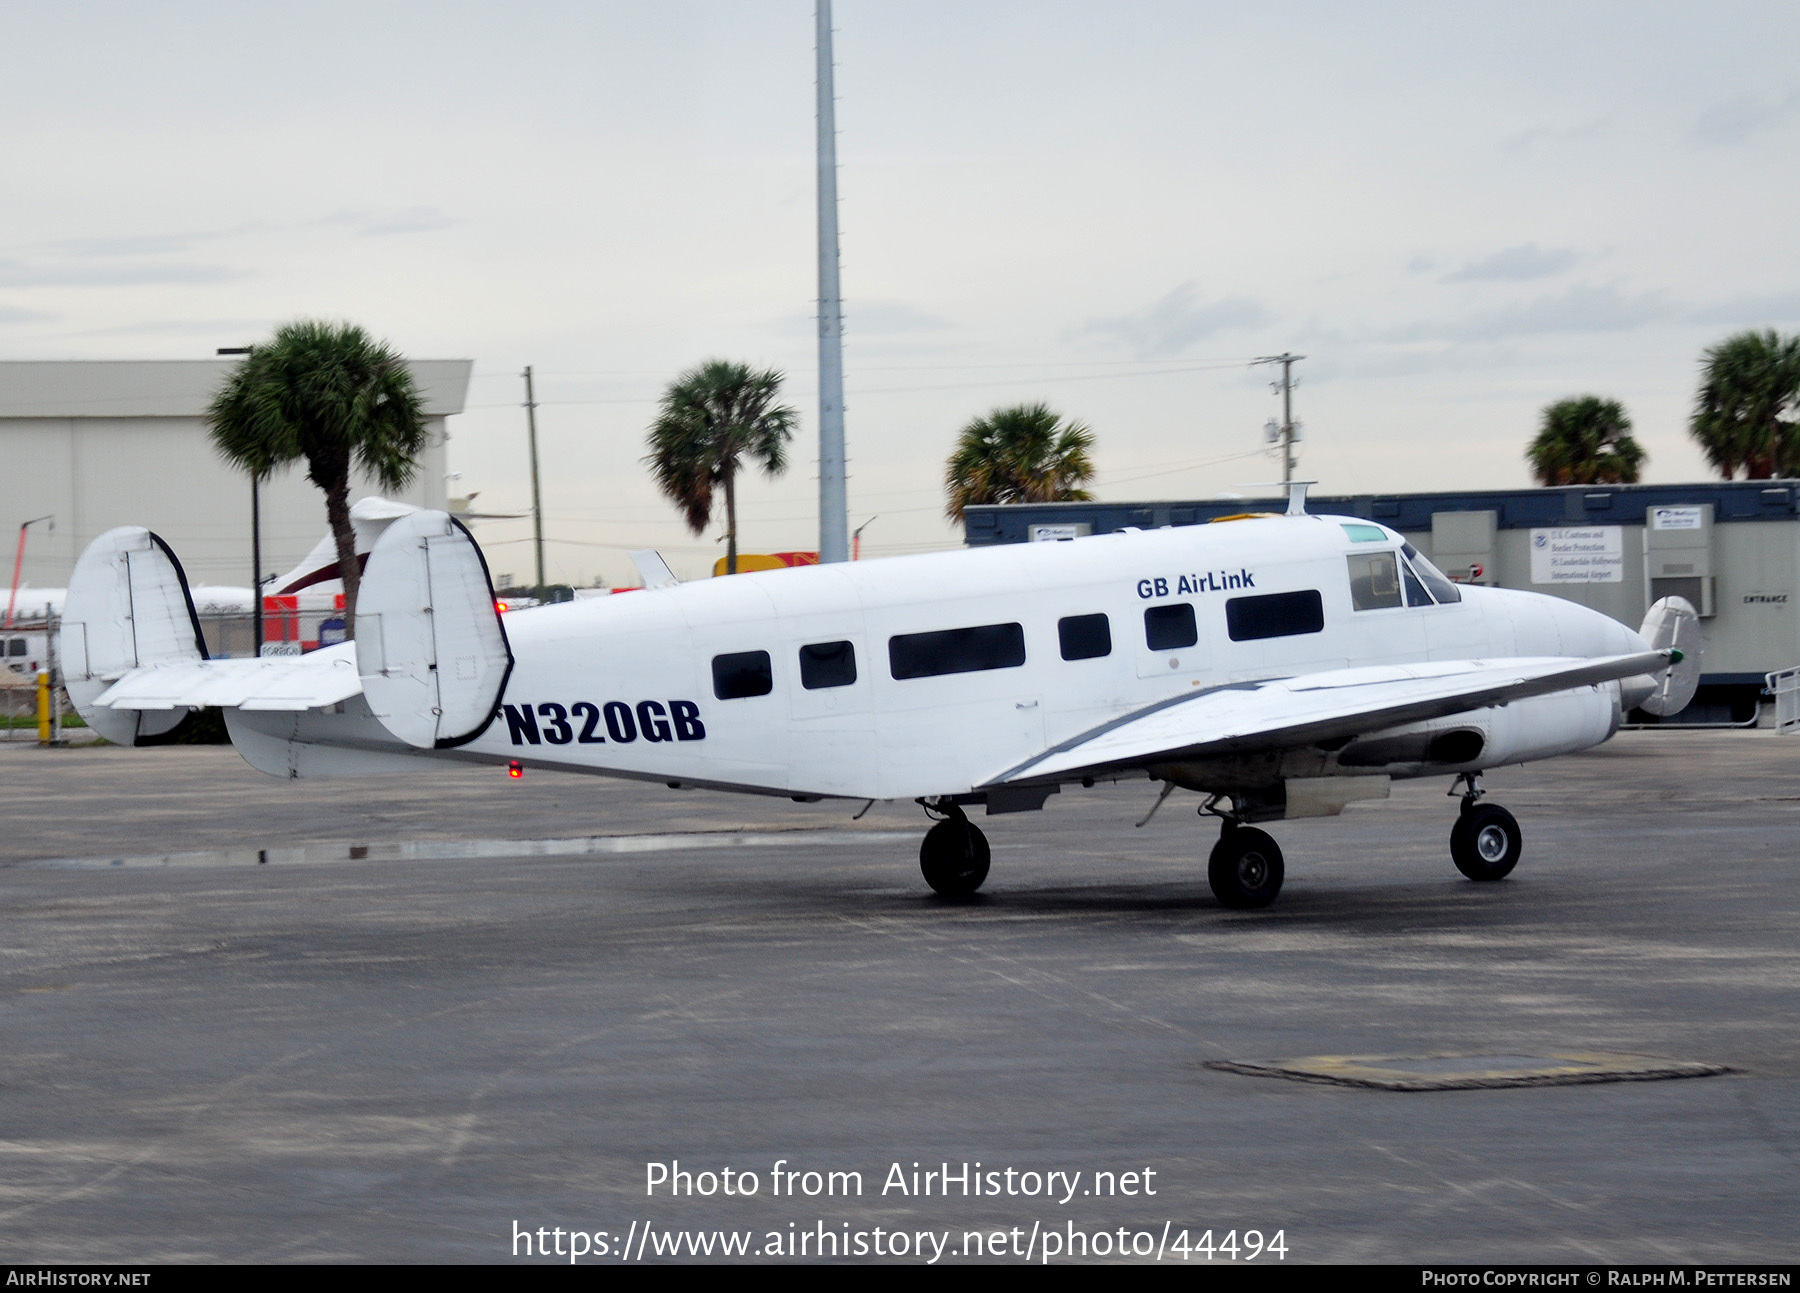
x: 329, y: 395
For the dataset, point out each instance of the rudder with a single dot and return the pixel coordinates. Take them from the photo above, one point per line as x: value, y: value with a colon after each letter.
x: 128, y: 607
x: 430, y: 647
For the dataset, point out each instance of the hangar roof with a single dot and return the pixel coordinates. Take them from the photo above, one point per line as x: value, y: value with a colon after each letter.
x: 163, y: 388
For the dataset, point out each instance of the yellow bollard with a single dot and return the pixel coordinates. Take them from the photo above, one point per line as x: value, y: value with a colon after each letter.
x: 43, y: 707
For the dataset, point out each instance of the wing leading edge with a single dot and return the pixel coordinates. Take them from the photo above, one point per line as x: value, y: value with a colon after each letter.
x: 1290, y: 712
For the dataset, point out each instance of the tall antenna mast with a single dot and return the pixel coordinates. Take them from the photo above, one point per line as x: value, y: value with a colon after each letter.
x: 834, y: 509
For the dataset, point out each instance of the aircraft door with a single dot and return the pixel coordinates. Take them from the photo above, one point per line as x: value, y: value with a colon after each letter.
x: 1169, y: 640
x: 827, y: 662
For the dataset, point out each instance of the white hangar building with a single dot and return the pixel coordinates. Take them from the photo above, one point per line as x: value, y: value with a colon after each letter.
x: 96, y: 444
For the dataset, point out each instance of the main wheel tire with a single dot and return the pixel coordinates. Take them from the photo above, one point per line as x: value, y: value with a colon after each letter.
x: 1485, y: 842
x: 954, y: 857
x: 1245, y: 870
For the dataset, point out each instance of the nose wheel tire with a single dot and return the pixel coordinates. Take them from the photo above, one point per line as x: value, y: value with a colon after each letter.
x: 1245, y: 870
x: 954, y: 857
x: 1485, y: 842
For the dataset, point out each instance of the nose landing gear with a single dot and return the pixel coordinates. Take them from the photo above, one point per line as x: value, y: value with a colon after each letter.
x: 1485, y: 842
x: 954, y: 854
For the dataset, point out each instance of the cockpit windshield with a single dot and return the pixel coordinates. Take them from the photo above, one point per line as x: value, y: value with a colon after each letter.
x: 1434, y: 579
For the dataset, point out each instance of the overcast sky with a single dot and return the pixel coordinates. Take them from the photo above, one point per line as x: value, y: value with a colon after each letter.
x: 1457, y: 213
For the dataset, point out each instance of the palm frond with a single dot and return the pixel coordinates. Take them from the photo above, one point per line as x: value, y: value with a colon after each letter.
x: 711, y: 418
x: 1022, y: 454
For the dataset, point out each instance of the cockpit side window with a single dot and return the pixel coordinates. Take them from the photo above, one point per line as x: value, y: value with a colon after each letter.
x: 1374, y: 581
x: 1434, y: 579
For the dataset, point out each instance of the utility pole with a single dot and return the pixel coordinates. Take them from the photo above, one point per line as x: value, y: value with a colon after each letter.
x: 1285, y: 432
x: 537, y: 506
x: 834, y: 508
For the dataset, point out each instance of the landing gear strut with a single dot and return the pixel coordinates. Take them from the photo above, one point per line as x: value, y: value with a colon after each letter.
x: 1486, y: 841
x: 1245, y: 869
x: 954, y: 854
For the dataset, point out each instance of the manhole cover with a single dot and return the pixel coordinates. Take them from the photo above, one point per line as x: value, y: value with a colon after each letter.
x: 1466, y: 1072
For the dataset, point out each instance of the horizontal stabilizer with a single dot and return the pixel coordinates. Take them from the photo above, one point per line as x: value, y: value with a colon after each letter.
x: 127, y: 609
x: 279, y: 682
x: 1672, y: 622
x: 429, y: 644
x: 1292, y: 712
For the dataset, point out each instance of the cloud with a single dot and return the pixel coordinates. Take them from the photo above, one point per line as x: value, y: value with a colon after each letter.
x: 1531, y: 138
x: 13, y: 314
x: 148, y: 245
x: 15, y: 273
x: 1781, y: 307
x: 1579, y: 309
x: 382, y: 224
x: 411, y: 220
x: 154, y: 244
x: 1177, y: 321
x: 228, y: 332
x: 1515, y: 265
x: 888, y: 318
x: 1727, y: 124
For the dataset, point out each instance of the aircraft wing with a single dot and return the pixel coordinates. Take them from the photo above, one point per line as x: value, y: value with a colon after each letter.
x: 1285, y: 713
x: 280, y: 682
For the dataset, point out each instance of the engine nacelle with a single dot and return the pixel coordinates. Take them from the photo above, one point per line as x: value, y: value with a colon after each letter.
x: 1538, y: 728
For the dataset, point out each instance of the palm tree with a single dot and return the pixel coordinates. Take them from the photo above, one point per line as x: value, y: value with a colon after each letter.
x: 1023, y: 454
x: 1585, y: 440
x: 713, y: 416
x: 1749, y: 381
x: 332, y: 395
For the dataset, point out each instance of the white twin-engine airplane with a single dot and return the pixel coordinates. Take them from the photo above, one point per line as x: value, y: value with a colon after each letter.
x: 1280, y: 665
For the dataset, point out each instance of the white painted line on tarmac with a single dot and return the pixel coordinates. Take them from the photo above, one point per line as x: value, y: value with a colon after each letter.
x: 448, y: 850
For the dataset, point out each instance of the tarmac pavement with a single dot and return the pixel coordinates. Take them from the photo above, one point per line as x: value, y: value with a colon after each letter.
x: 417, y: 1058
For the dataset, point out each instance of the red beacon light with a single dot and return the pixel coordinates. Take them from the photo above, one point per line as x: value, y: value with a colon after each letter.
x: 515, y: 769
x: 501, y: 606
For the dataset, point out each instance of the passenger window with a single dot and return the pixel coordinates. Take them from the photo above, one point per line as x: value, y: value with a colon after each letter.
x: 926, y: 655
x: 1374, y: 581
x: 17, y: 646
x: 1168, y: 627
x: 1276, y: 615
x: 827, y: 664
x: 1084, y: 637
x: 741, y: 674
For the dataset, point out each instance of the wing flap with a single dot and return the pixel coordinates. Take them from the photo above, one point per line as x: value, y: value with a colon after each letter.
x: 276, y: 683
x: 1291, y: 712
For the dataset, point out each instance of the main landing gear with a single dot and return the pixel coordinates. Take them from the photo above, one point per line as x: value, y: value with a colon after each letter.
x: 1245, y: 869
x: 954, y: 854
x: 1485, y: 842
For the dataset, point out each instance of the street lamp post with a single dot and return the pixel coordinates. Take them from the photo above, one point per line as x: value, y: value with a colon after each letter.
x: 12, y: 598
